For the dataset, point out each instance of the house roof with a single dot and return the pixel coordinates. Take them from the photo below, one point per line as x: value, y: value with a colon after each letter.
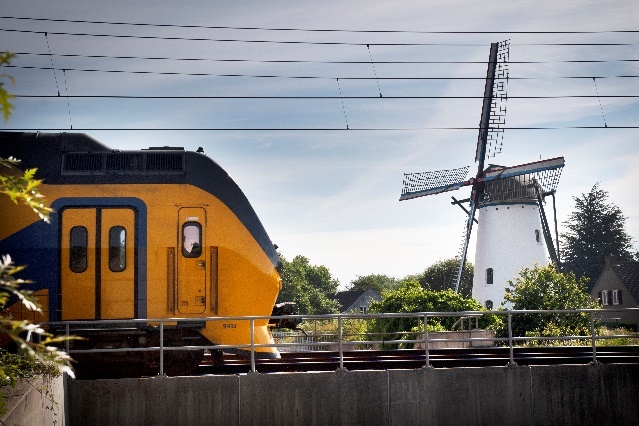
x: 628, y: 273
x: 346, y: 299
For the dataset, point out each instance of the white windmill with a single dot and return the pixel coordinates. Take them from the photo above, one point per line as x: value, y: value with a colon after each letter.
x: 512, y: 225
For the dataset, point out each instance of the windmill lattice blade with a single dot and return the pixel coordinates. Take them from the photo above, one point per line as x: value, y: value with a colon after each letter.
x: 493, y: 118
x: 463, y: 250
x: 522, y: 182
x: 435, y: 182
x: 499, y: 172
x: 460, y: 252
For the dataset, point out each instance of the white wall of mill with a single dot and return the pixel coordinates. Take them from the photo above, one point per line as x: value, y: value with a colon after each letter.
x: 505, y: 242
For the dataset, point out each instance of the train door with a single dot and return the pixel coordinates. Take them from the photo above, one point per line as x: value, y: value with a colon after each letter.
x: 191, y: 265
x: 97, y: 263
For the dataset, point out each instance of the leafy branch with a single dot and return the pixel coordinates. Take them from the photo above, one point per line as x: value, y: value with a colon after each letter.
x: 23, y: 187
x: 5, y: 97
x: 41, y: 349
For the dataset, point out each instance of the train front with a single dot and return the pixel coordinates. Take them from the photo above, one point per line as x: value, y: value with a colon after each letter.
x: 223, y: 243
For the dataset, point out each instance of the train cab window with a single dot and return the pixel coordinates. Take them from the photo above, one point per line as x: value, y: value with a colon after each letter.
x: 191, y: 239
x: 117, y: 249
x: 78, y: 237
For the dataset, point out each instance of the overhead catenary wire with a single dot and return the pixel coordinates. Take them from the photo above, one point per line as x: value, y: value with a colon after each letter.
x: 298, y: 61
x: 279, y: 74
x: 302, y: 77
x: 300, y: 42
x: 309, y: 129
x: 218, y: 27
x: 316, y: 97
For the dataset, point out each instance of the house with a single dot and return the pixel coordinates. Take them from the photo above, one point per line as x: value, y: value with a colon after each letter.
x: 355, y: 301
x: 618, y: 287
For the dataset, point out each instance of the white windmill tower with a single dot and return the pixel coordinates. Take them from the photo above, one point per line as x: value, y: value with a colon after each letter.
x: 512, y: 222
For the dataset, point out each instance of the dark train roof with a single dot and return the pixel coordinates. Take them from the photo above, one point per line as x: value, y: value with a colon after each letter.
x: 76, y: 158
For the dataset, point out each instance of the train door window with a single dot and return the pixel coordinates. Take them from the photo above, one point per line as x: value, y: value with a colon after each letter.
x: 489, y: 276
x: 117, y: 249
x: 78, y: 237
x: 191, y: 239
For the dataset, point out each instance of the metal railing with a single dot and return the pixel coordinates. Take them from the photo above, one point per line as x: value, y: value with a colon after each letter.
x: 340, y: 339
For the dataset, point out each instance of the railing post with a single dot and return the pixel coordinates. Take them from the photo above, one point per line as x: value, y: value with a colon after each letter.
x: 161, y: 348
x: 592, y: 335
x: 510, y: 338
x: 66, y: 343
x: 426, y: 351
x: 341, y: 348
x: 252, y: 326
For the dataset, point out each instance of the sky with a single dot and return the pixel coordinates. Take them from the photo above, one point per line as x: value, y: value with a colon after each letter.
x: 317, y: 109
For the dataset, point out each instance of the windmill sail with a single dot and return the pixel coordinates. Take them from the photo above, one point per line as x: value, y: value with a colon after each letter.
x: 493, y: 111
x: 546, y: 230
x: 429, y: 183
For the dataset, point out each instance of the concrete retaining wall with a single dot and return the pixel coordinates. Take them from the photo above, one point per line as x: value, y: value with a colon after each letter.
x: 447, y: 339
x: 35, y: 402
x: 597, y: 395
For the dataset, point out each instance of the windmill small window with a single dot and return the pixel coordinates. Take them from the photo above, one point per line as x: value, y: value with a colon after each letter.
x: 537, y: 236
x: 489, y: 276
x: 489, y: 305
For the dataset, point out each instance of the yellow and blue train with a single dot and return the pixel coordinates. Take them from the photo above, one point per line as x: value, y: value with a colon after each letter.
x: 149, y: 234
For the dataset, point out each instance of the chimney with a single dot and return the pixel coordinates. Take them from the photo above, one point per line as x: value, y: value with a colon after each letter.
x: 611, y: 260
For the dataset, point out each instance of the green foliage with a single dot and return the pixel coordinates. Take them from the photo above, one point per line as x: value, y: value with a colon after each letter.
x: 630, y: 337
x: 308, y: 286
x: 5, y: 97
x: 352, y: 329
x: 15, y: 367
x: 23, y: 187
x: 43, y: 351
x: 442, y: 275
x: 616, y: 337
x: 543, y: 288
x: 594, y: 230
x: 376, y: 282
x: 410, y: 297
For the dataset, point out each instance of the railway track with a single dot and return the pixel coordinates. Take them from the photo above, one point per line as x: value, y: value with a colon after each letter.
x: 416, y: 358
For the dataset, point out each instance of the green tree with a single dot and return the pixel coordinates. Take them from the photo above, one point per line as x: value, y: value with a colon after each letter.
x: 376, y: 282
x: 442, y: 275
x: 543, y: 288
x: 410, y: 296
x: 308, y: 286
x: 595, y: 229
